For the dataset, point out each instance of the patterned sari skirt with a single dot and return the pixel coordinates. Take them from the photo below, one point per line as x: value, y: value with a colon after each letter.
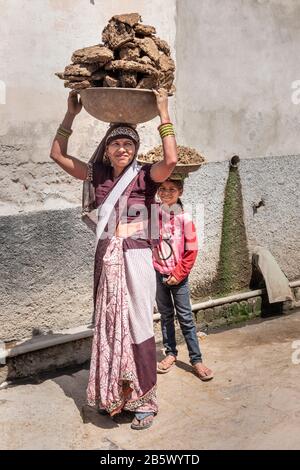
x: 123, y: 360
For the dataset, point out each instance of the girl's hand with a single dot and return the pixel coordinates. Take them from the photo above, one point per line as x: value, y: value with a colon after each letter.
x: 74, y: 105
x: 172, y: 281
x: 162, y: 102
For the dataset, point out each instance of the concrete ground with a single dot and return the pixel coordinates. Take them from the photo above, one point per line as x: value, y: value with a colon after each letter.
x: 252, y: 403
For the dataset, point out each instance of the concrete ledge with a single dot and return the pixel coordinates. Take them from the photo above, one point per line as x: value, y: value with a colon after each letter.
x: 56, y: 357
x: 230, y: 313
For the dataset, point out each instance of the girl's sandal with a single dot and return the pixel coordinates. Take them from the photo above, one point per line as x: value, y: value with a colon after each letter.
x: 203, y: 372
x: 166, y: 364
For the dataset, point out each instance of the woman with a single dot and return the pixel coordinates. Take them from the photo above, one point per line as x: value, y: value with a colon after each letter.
x: 123, y: 362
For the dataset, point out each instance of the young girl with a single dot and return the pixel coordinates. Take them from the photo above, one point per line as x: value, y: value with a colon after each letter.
x: 173, y: 260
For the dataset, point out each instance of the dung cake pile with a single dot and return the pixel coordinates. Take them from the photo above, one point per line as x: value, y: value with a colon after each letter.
x: 186, y: 156
x: 131, y: 56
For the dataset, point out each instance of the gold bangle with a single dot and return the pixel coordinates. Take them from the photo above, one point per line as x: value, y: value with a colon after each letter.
x: 171, y: 129
x: 67, y: 131
x: 168, y: 132
x: 62, y: 134
x: 166, y: 129
x: 168, y: 135
x: 164, y: 124
x: 60, y: 131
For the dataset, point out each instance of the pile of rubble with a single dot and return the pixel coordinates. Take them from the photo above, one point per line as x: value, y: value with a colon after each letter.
x: 131, y: 56
x: 186, y: 156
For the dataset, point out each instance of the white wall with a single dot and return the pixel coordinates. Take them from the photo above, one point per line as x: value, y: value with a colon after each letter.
x: 236, y: 62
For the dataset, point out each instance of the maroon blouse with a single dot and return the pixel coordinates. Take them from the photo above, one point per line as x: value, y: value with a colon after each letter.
x: 142, y: 196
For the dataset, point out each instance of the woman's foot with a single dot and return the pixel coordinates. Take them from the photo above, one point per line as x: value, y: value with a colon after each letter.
x: 202, y: 372
x: 142, y: 420
x: 165, y: 365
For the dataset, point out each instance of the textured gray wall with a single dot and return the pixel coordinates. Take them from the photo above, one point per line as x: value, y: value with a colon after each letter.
x: 276, y: 224
x: 206, y: 187
x: 29, y: 186
x: 46, y: 273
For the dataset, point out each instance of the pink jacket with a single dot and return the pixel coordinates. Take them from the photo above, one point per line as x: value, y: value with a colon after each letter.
x: 178, y: 247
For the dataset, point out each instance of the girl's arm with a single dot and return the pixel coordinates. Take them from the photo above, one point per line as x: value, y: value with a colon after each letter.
x: 185, y: 265
x: 162, y: 170
x: 59, y: 150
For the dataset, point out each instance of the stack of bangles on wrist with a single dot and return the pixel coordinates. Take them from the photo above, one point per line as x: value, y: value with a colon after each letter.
x: 64, y: 132
x: 166, y: 130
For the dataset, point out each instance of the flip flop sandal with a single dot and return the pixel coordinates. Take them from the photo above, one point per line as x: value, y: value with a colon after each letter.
x: 204, y: 378
x: 164, y: 371
x: 139, y: 424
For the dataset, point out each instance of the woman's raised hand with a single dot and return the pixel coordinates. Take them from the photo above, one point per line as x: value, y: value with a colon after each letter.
x: 74, y: 104
x: 162, y: 101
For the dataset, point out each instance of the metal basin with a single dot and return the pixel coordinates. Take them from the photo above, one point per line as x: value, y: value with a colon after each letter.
x: 185, y: 169
x: 119, y: 104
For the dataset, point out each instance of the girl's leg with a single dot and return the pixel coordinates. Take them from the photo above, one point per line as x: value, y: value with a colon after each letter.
x: 166, y: 309
x: 181, y: 296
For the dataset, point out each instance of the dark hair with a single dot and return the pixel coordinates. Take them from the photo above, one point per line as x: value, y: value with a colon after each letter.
x: 178, y: 183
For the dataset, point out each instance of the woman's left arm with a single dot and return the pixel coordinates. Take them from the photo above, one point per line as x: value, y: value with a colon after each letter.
x: 161, y: 171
